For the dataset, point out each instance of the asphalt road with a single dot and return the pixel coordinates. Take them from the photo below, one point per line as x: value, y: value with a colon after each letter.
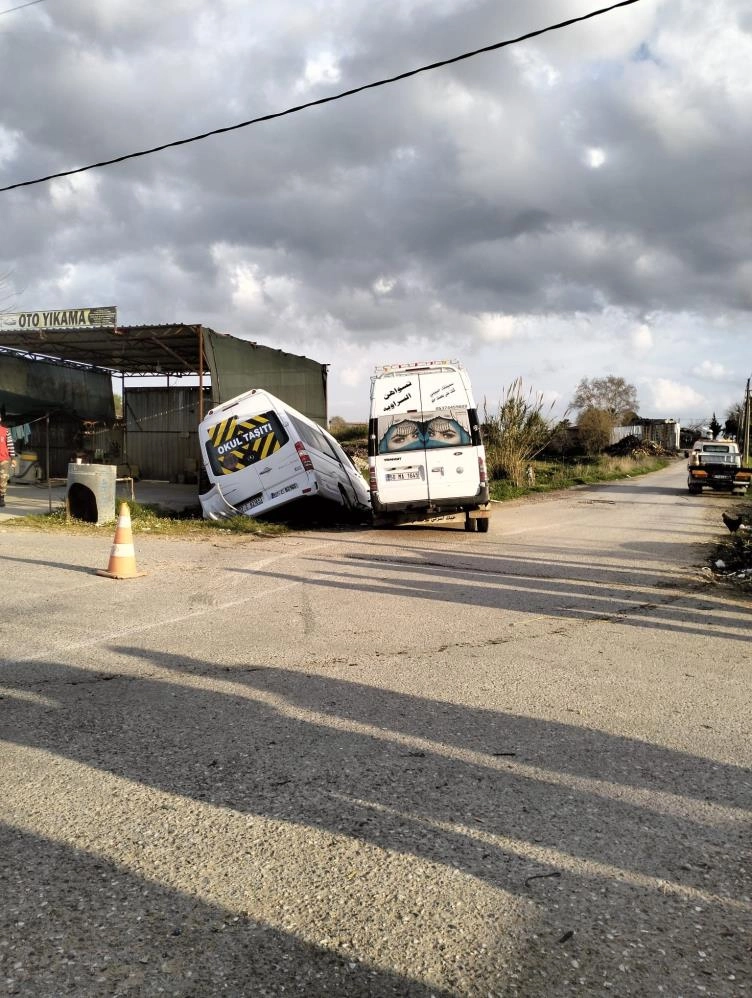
x: 381, y: 762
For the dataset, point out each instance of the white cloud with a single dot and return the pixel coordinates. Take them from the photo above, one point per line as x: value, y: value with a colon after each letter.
x: 496, y: 328
x: 383, y: 285
x: 76, y: 194
x: 670, y: 397
x: 322, y: 69
x: 712, y: 370
x: 595, y: 158
x: 9, y: 144
x: 642, y: 339
x: 535, y: 68
x: 352, y: 376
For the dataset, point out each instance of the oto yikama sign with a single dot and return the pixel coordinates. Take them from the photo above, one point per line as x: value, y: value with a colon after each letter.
x: 65, y: 318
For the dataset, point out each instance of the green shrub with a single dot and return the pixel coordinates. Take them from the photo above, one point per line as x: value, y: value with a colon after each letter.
x: 348, y: 432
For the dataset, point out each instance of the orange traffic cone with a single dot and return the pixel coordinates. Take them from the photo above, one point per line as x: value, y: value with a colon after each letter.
x: 122, y: 556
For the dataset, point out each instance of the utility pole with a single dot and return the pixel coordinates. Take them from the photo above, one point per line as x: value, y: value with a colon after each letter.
x: 747, y: 414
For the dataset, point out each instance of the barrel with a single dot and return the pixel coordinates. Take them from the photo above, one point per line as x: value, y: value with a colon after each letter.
x: 26, y: 463
x: 90, y: 492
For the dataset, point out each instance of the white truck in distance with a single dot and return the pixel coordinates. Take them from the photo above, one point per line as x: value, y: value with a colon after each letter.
x: 717, y: 465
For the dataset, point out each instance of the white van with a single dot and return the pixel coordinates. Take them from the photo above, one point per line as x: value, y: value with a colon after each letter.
x: 425, y: 452
x: 260, y: 453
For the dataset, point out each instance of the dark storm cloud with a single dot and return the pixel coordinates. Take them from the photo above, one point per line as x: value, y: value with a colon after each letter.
x: 605, y: 166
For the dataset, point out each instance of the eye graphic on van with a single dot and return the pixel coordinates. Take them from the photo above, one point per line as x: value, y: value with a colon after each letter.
x: 406, y: 434
x: 235, y: 444
x: 445, y: 429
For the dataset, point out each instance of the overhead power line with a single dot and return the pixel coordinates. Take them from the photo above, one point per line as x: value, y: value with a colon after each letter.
x: 29, y: 3
x: 321, y: 100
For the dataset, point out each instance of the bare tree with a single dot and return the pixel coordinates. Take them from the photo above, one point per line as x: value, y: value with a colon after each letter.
x: 734, y: 420
x: 610, y: 394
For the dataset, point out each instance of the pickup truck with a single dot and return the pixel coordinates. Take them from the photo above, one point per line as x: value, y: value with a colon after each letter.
x: 717, y: 465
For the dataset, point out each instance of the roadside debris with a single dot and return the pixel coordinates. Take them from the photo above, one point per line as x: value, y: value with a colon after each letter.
x: 633, y: 446
x: 542, y: 876
x: 732, y: 559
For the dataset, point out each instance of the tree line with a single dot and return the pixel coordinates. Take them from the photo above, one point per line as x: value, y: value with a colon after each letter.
x: 522, y: 426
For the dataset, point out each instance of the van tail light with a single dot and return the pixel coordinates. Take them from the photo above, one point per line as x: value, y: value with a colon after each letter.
x: 372, y: 484
x: 482, y: 471
x: 305, y: 458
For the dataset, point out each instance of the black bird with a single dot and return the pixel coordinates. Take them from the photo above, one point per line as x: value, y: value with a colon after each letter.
x: 734, y: 522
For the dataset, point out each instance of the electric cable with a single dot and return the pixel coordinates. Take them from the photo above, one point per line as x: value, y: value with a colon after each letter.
x: 29, y: 3
x: 321, y: 100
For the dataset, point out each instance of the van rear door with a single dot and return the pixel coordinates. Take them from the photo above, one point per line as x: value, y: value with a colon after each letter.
x: 280, y: 470
x: 401, y: 474
x: 400, y: 465
x: 451, y: 459
x: 240, y: 449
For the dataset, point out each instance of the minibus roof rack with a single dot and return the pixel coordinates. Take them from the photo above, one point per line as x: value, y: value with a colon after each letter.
x: 423, y: 365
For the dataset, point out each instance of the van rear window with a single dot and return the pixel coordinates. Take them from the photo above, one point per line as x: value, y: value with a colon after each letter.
x: 423, y: 430
x: 235, y: 444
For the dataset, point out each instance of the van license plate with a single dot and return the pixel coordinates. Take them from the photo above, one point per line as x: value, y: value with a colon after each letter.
x: 280, y: 492
x: 402, y: 476
x: 250, y: 504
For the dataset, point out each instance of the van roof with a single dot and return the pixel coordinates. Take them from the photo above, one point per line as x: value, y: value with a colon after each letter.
x: 425, y: 365
x: 233, y: 402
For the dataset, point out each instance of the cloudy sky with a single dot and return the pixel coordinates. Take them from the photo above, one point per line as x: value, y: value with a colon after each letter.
x: 572, y: 206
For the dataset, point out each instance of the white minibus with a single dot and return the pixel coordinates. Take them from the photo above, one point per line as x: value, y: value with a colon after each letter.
x: 259, y: 453
x: 425, y: 453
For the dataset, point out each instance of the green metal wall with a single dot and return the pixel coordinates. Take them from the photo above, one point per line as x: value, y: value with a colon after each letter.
x: 31, y: 388
x: 239, y: 365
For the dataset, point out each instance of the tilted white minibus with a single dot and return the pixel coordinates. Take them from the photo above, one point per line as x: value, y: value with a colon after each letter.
x: 425, y: 453
x: 259, y: 453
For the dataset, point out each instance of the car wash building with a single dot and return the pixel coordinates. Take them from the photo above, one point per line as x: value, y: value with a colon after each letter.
x: 60, y: 370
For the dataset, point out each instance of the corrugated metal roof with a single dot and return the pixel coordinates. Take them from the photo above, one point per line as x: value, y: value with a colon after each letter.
x: 170, y: 348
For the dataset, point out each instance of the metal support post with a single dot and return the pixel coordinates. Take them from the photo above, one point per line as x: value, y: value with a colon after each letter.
x: 47, y: 448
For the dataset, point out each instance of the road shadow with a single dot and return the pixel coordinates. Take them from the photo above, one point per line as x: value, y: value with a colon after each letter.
x: 530, y: 583
x: 583, y: 825
x: 87, y: 927
x: 67, y: 566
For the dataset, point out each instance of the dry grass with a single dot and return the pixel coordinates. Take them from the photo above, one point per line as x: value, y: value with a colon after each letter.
x: 550, y: 475
x: 146, y: 519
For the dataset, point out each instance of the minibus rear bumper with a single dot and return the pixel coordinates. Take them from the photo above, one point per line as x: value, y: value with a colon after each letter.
x: 478, y: 503
x: 215, y: 506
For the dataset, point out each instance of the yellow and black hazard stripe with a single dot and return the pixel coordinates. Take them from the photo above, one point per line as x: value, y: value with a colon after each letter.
x: 248, y: 452
x: 221, y: 432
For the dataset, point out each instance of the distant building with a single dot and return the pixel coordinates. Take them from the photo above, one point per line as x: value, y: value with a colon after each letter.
x: 666, y: 432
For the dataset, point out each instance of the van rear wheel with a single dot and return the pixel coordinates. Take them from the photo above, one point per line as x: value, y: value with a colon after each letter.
x: 483, y: 524
x: 471, y: 525
x: 347, y: 502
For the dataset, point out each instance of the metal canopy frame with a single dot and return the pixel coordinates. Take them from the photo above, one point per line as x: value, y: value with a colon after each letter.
x: 166, y: 350
x: 172, y: 349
